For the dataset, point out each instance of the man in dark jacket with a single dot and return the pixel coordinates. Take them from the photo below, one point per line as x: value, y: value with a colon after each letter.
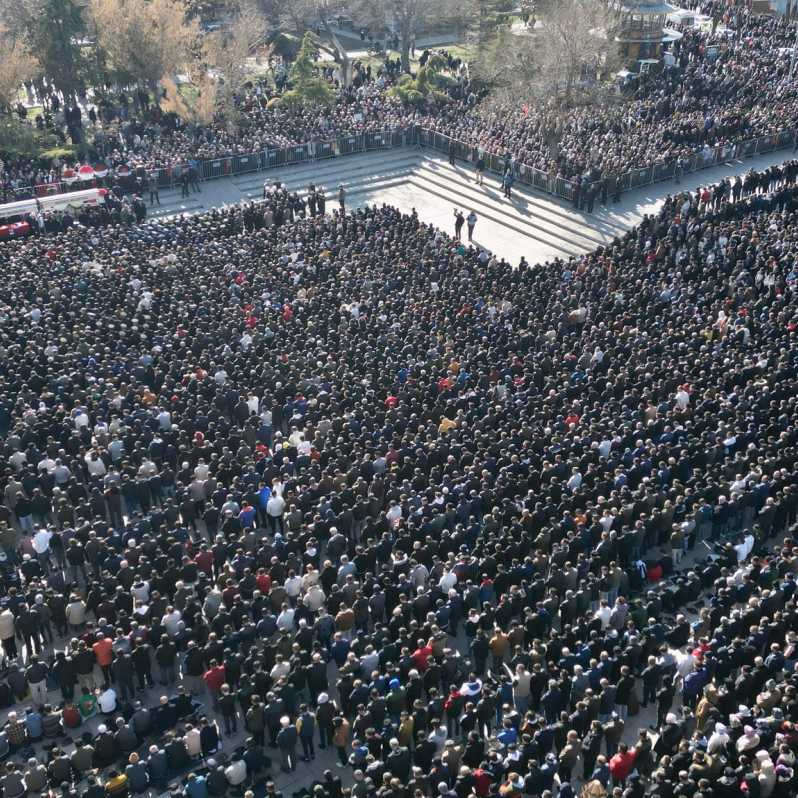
x: 122, y: 670
x: 64, y: 673
x: 286, y: 742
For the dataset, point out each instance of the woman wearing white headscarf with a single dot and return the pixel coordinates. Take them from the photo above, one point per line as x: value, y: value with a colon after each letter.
x: 767, y: 775
x: 748, y: 741
x: 718, y: 740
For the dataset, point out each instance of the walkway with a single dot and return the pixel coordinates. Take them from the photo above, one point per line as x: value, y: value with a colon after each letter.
x: 533, y: 224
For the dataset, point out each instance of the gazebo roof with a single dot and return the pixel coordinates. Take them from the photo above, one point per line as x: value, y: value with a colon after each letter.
x: 646, y: 7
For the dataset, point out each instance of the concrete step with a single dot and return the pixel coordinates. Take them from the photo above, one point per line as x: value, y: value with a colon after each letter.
x: 516, y: 210
x: 538, y: 233
x: 364, y: 193
x: 358, y: 193
x: 330, y: 169
x: 173, y: 206
x: 360, y: 183
x: 537, y: 201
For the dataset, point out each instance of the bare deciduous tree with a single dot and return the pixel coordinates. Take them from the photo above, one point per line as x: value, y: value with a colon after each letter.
x: 575, y: 46
x: 17, y: 64
x: 143, y: 40
x: 227, y: 52
x: 408, y: 18
x: 572, y: 53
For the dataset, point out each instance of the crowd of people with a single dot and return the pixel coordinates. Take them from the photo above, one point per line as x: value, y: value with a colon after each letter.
x: 726, y: 85
x: 345, y: 482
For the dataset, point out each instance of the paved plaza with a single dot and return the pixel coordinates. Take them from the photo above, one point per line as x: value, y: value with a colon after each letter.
x: 533, y: 225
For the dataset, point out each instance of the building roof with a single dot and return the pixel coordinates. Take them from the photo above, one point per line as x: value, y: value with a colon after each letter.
x: 652, y: 7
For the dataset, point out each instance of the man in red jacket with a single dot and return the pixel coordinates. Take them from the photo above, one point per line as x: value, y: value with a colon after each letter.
x: 621, y: 764
x: 214, y: 679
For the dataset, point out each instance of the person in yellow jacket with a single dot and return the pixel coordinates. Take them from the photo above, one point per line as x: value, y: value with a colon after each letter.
x: 340, y: 739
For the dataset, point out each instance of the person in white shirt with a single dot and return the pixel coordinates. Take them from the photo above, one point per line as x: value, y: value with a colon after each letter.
x: 94, y: 464
x: 47, y: 464
x: 18, y: 460
x: 285, y: 620
x: 230, y: 506
x: 220, y: 377
x: 192, y: 740
x: 394, y: 512
x: 274, y: 512
x: 236, y: 772
x: 171, y: 621
x: 603, y: 613
x: 147, y: 469
x: 310, y: 578
x: 107, y: 701
x: 61, y: 474
x: 447, y: 581
x: 81, y: 419
x: 164, y: 420
x: 419, y: 575
x: 281, y: 668
x: 304, y: 448
x: 738, y: 485
x: 116, y: 449
x: 201, y: 471
x: 141, y: 591
x: 293, y: 586
x: 744, y: 548
x: 314, y: 598
x: 575, y: 481
x: 41, y: 543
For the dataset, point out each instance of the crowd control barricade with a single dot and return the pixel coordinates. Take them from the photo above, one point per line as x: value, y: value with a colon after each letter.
x: 634, y: 178
x: 377, y: 141
x: 325, y: 149
x: 245, y: 163
x: 350, y: 144
x: 221, y: 167
x: 165, y: 176
x: 664, y: 171
x: 275, y: 158
x: 298, y: 154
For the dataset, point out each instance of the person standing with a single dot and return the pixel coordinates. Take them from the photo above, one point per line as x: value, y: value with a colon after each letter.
x: 472, y: 221
x: 286, y: 742
x: 312, y: 200
x: 36, y: 673
x: 507, y: 183
x: 227, y: 706
x: 306, y: 728
x: 459, y: 221
x: 152, y: 187
x: 103, y: 651
x: 342, y: 199
x: 340, y: 740
x: 480, y: 168
x: 592, y: 190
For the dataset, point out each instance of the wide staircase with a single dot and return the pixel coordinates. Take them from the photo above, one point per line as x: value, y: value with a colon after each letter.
x: 532, y: 224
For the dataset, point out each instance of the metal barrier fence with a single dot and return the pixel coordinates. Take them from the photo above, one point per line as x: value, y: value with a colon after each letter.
x: 273, y: 158
x: 168, y: 177
x: 636, y: 178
